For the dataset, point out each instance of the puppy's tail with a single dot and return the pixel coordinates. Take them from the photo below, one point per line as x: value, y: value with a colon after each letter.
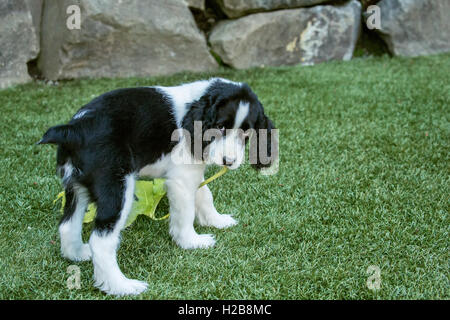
x: 62, y: 135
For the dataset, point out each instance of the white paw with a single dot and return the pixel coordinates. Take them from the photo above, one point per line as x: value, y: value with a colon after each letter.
x: 122, y: 287
x: 220, y: 221
x: 197, y: 241
x: 81, y: 253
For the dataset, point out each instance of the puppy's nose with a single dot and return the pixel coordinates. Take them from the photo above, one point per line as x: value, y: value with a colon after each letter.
x: 228, y: 161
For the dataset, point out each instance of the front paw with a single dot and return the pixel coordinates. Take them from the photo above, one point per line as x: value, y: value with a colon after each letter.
x: 121, y: 286
x: 196, y: 241
x: 220, y: 221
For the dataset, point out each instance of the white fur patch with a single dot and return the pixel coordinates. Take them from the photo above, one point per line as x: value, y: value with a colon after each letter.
x: 68, y: 170
x: 72, y: 246
x: 241, y: 114
x: 80, y: 114
x: 184, y: 94
x: 157, y: 169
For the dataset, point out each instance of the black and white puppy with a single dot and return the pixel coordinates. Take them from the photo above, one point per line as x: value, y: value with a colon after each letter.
x: 127, y: 133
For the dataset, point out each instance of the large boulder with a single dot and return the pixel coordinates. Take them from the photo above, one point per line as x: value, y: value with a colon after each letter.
x: 19, y: 42
x: 35, y: 7
x: 415, y: 27
x: 238, y: 8
x: 288, y: 37
x: 121, y: 39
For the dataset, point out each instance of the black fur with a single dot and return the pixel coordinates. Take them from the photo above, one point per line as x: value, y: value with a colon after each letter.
x: 266, y: 126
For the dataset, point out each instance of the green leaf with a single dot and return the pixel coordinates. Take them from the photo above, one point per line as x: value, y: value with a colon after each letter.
x: 90, y: 213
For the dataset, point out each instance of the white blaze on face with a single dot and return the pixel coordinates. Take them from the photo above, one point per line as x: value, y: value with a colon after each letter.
x: 231, y: 146
x: 241, y: 114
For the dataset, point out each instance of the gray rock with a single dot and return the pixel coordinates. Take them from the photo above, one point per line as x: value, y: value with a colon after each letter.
x: 197, y: 4
x: 288, y: 37
x: 35, y: 7
x: 239, y: 8
x: 415, y: 27
x: 18, y: 42
x: 121, y: 39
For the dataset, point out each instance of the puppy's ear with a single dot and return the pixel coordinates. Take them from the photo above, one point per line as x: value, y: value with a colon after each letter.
x: 264, y: 143
x: 210, y: 111
x: 203, y: 110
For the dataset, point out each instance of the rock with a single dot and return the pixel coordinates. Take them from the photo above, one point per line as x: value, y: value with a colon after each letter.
x: 121, y: 39
x: 196, y: 4
x: 35, y: 7
x: 288, y: 37
x: 18, y: 42
x: 239, y: 8
x: 415, y: 27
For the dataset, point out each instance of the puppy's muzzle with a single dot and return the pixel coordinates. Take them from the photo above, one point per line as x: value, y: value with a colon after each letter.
x: 228, y: 161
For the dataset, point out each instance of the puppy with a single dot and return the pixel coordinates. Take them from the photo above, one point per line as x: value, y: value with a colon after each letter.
x: 127, y: 133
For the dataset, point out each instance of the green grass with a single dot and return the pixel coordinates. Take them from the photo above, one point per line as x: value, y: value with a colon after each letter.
x: 363, y: 180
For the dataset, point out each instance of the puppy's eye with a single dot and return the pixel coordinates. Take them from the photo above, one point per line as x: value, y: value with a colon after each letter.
x: 222, y: 129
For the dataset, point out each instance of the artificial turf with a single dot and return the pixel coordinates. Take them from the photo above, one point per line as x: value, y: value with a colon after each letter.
x: 363, y: 180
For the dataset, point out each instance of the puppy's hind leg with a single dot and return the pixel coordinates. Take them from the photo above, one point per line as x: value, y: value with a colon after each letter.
x: 206, y: 214
x: 72, y: 246
x: 114, y: 202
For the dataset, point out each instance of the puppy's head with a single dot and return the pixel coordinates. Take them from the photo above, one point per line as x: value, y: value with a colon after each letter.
x: 231, y: 115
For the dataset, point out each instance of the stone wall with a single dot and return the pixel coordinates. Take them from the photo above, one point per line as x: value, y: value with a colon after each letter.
x: 121, y: 39
x: 290, y: 36
x: 19, y: 42
x: 151, y: 37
